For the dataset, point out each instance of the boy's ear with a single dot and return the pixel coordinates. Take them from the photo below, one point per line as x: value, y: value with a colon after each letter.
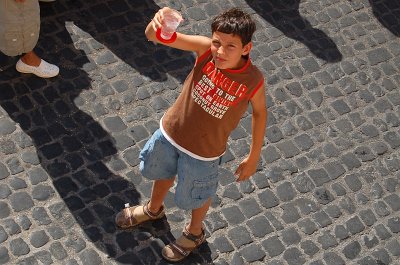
x: 247, y: 48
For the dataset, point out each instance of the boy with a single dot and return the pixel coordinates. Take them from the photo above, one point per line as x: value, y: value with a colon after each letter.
x: 193, y: 133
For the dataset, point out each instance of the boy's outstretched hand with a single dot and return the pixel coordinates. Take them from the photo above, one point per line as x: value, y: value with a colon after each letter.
x: 158, y: 18
x: 246, y: 169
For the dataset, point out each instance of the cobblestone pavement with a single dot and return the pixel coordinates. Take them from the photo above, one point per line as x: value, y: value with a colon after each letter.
x: 327, y: 188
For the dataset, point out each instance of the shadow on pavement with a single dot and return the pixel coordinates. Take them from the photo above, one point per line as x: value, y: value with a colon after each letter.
x: 285, y: 16
x: 388, y: 14
x: 120, y: 26
x: 71, y: 146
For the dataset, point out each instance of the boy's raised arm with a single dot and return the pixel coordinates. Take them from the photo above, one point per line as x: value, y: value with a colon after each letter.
x: 194, y: 43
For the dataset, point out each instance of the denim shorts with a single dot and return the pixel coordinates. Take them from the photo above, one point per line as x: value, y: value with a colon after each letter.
x: 197, y: 180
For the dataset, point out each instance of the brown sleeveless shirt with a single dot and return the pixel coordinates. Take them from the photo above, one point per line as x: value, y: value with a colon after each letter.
x: 210, y: 106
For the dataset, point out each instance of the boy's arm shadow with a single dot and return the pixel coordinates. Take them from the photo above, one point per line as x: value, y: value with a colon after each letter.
x: 285, y: 16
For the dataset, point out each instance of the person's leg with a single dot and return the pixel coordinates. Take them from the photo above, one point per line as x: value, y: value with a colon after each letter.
x: 193, y: 236
x: 197, y: 184
x: 158, y: 193
x: 30, y: 58
x: 158, y: 161
x: 195, y: 226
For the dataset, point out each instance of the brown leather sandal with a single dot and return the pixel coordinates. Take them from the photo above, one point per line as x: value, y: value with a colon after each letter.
x: 138, y: 215
x: 187, y: 243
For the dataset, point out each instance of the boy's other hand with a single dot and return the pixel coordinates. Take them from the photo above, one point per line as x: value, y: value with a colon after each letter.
x: 246, y: 169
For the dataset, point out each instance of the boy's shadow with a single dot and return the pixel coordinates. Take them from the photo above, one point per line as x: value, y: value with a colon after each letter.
x: 73, y: 148
x: 285, y: 16
x: 388, y: 13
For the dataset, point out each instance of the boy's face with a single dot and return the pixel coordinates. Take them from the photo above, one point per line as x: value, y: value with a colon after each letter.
x: 227, y: 50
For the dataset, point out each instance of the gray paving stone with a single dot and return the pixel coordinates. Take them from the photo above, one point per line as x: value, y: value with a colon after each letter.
x: 310, y: 65
x: 382, y: 256
x: 317, y: 118
x: 274, y: 134
x: 303, y: 183
x: 270, y: 154
x: 6, y: 126
x: 354, y: 225
x: 319, y: 176
x: 3, y: 171
x: 21, y: 201
x: 233, y: 215
x: 75, y: 243
x: 231, y: 191
x: 44, y: 257
x: 327, y: 241
x: 24, y: 222
x: 4, y: 256
x: 393, y: 200
x: 381, y: 208
x: 249, y: 207
x: 394, y: 247
x: 268, y: 199
x: 322, y: 219
x: 223, y: 244
x: 368, y: 217
x: 4, y: 210
x: 293, y: 256
x: 323, y: 196
x: 273, y: 246
x: 19, y: 247
x: 309, y: 248
x: 14, y: 165
x: 259, y: 226
x: 3, y: 234
x: 89, y: 256
x: 39, y: 238
x: 332, y: 258
x: 308, y: 227
x: 307, y: 206
x: 290, y: 213
x: 367, y: 261
x: 40, y: 215
x: 394, y: 224
x: 378, y: 55
x: 252, y: 253
x: 351, y: 161
x: 37, y: 175
x: 370, y: 241
x: 286, y: 192
x: 239, y: 236
x: 114, y: 124
x: 341, y: 232
x: 290, y: 236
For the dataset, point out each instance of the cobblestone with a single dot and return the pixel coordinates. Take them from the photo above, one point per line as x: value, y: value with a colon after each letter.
x: 325, y: 192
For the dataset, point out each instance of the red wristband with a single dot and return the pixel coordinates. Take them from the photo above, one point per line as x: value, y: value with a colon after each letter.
x: 171, y: 40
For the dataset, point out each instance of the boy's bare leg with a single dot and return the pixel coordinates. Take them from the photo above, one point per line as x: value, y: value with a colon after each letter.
x: 198, y: 215
x: 158, y: 193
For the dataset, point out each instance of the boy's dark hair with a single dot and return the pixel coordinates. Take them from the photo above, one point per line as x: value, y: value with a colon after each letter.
x: 235, y: 21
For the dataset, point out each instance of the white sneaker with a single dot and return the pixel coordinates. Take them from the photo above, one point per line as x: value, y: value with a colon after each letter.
x: 45, y: 69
